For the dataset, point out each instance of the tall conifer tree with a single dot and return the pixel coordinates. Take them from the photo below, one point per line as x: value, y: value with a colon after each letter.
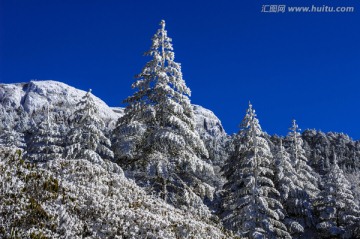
x: 156, y: 138
x: 86, y: 138
x: 250, y: 204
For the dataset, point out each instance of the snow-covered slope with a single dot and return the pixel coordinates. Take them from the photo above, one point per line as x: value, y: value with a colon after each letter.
x: 92, y: 198
x: 84, y: 199
x: 89, y: 198
x: 36, y: 94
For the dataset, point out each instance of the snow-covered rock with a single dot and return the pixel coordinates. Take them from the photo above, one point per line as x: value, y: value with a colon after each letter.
x: 36, y: 94
x: 207, y: 122
x: 212, y: 133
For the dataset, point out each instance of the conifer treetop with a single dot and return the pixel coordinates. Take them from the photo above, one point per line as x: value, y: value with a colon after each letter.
x: 250, y: 125
x: 294, y: 126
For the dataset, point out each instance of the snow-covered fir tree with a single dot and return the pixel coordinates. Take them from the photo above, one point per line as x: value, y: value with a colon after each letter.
x: 337, y: 211
x: 288, y: 183
x: 156, y: 138
x: 325, y: 162
x: 250, y: 204
x: 12, y: 128
x: 302, y: 210
x: 45, y: 141
x: 86, y: 138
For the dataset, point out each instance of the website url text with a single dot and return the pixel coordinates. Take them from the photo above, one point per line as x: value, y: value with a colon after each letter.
x: 309, y: 9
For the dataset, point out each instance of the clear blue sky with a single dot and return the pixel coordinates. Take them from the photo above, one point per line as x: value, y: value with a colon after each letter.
x: 290, y: 65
